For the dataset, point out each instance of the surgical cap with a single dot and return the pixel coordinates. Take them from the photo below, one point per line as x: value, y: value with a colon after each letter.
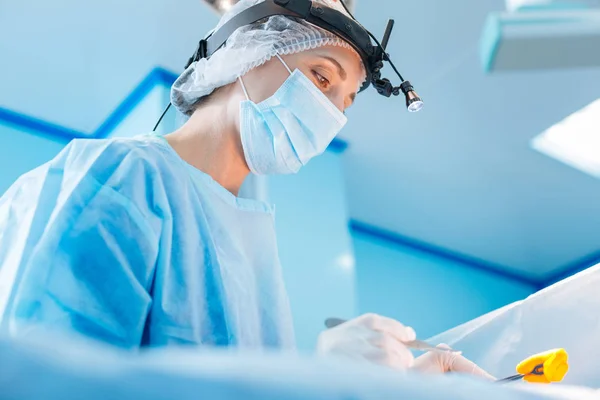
x: 249, y: 47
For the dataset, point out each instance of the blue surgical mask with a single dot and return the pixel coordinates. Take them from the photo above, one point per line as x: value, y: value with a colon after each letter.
x: 282, y: 133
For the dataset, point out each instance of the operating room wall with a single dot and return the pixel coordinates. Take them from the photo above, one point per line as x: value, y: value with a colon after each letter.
x: 21, y: 151
x: 333, y: 271
x: 428, y: 292
x: 315, y: 245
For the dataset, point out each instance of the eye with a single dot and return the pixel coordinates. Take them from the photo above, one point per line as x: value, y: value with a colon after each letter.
x: 321, y: 80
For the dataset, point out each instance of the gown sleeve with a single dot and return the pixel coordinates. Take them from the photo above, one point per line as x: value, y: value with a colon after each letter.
x: 76, y: 255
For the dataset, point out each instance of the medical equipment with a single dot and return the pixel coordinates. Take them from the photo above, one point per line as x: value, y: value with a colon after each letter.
x: 413, y: 344
x: 546, y: 367
x: 552, y: 36
x: 328, y: 19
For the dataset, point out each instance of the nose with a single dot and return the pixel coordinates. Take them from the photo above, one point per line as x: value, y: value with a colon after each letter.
x: 340, y: 102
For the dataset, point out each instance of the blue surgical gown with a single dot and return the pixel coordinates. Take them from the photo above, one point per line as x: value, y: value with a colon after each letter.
x: 122, y: 241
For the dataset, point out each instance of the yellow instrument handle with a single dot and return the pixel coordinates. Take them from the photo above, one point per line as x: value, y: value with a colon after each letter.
x: 546, y: 367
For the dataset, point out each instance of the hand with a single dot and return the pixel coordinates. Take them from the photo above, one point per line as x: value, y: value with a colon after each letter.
x: 442, y: 362
x: 370, y: 338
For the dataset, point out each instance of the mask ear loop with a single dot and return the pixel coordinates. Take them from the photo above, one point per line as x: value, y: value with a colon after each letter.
x: 244, y: 88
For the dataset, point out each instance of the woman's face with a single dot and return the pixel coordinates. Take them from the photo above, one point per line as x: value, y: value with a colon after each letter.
x: 338, y: 72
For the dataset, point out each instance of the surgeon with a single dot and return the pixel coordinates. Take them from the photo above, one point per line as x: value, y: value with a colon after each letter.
x: 143, y: 241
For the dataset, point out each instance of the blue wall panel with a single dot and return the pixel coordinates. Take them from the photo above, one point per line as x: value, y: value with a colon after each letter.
x: 427, y: 292
x: 21, y: 151
x: 314, y: 245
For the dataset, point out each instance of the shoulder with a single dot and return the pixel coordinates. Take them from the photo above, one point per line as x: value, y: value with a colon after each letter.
x: 134, y: 171
x: 108, y: 151
x: 110, y: 161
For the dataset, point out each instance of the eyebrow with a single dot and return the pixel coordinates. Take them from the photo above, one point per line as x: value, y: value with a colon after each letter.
x: 342, y: 73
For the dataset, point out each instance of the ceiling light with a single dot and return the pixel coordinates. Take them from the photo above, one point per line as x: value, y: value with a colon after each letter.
x: 575, y: 141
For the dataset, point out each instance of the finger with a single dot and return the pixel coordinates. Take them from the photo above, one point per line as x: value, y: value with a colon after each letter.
x: 462, y: 365
x: 402, y: 359
x: 405, y: 356
x: 389, y: 325
x: 446, y: 347
x: 429, y: 363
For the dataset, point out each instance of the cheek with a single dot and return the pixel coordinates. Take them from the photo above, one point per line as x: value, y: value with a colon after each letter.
x: 263, y: 90
x: 264, y: 81
x: 340, y: 103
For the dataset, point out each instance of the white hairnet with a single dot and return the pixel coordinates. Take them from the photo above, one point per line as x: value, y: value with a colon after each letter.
x: 249, y: 47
